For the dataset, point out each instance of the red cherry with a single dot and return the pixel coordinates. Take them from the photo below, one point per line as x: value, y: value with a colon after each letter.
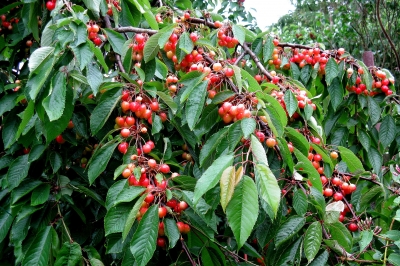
x: 172, y: 203
x: 139, y: 38
x: 154, y: 106
x: 133, y: 181
x: 317, y: 157
x: 60, y: 139
x: 125, y: 132
x: 164, y: 168
x: 353, y: 227
x: 186, y: 229
x: 149, y: 198
x: 123, y: 147
x: 328, y: 192
x: 97, y: 41
x: 146, y: 148
x: 193, y: 37
x: 181, y: 227
x: 161, y: 242
x: 183, y: 205
x: 229, y: 72
x: 50, y: 5
x: 161, y: 231
x: 338, y: 196
x: 152, y: 163
x: 336, y: 181
x: 162, y: 212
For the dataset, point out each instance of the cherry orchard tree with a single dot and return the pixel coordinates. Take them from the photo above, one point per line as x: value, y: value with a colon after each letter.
x: 158, y: 135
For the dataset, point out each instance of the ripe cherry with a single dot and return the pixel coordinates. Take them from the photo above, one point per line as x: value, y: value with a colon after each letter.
x: 353, y: 227
x: 183, y: 205
x: 164, y: 168
x: 123, y: 147
x: 50, y: 5
x: 152, y: 163
x: 334, y: 155
x: 336, y: 181
x: 60, y: 139
x: 125, y: 132
x: 154, y: 106
x: 328, y: 192
x: 161, y: 242
x: 97, y: 41
x: 337, y: 196
x: 162, y: 212
x: 181, y: 227
x: 149, y: 198
x: 217, y: 67
x: 317, y: 157
x: 271, y: 142
x: 146, y: 148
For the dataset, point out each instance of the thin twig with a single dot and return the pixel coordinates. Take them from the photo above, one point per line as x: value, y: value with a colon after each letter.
x: 134, y: 29
x: 187, y: 252
x: 259, y: 65
x: 293, y: 45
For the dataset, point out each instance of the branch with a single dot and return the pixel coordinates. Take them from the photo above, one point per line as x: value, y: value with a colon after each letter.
x: 386, y: 34
x: 292, y: 45
x: 259, y: 65
x: 117, y: 56
x: 228, y: 80
x: 201, y: 21
x: 134, y: 29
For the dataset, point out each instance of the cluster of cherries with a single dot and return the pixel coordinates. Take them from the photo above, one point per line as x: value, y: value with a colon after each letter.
x: 51, y: 4
x: 140, y: 105
x: 312, y: 57
x: 93, y: 30
x: 225, y: 36
x: 152, y: 178
x: 138, y: 47
x: 380, y: 84
x: 302, y: 101
x: 114, y: 3
x: 232, y: 112
x: 7, y: 24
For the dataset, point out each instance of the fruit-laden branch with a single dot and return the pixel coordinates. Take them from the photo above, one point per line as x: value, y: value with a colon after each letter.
x: 292, y: 45
x: 259, y: 65
x: 135, y: 30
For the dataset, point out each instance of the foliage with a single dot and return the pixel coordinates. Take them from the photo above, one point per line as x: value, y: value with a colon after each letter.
x: 351, y: 24
x: 135, y: 134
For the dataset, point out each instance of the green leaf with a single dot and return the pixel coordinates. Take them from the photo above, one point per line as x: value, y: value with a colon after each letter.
x: 120, y: 192
x: 290, y: 228
x: 211, y: 176
x: 258, y: 151
x: 104, y: 109
x: 248, y: 126
x: 374, y: 111
x: 7, y: 102
x: 268, y: 186
x: 189, y: 82
x: 298, y: 140
x: 305, y: 73
x: 38, y: 57
x: 239, y: 33
x: 83, y: 54
x: 300, y: 202
x: 387, y: 131
x: 185, y: 43
x: 24, y: 189
x: 394, y: 259
x: 321, y: 260
x: 144, y: 240
x: 40, y: 195
x: 168, y: 101
x: 290, y: 102
x: 375, y: 158
x: 268, y: 49
x: 353, y: 163
x: 331, y: 70
x: 171, y: 231
x: 132, y: 216
x: 93, y: 5
x: 94, y: 77
x: 6, y: 220
x: 238, y: 77
x: 116, y: 217
x: 312, y: 240
x: 55, y: 161
x: 54, y: 103
x: 325, y: 157
x: 151, y: 47
x: 340, y: 233
x: 116, y: 40
x: 242, y: 210
x: 10, y: 130
x: 227, y: 184
x: 304, y: 165
x: 336, y: 92
x: 366, y: 77
x: 211, y: 144
x: 38, y: 253
x: 99, y: 160
x: 26, y: 118
x: 69, y: 255
x: 253, y: 84
x: 366, y: 238
x: 18, y: 171
x: 195, y: 104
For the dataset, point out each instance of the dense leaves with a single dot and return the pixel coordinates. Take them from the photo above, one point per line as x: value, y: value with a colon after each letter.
x: 134, y: 134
